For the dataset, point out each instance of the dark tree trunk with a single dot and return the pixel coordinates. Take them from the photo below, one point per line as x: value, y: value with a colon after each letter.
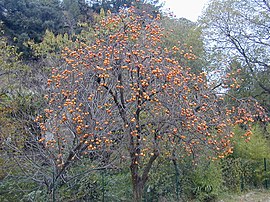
x: 138, y: 182
x: 138, y: 187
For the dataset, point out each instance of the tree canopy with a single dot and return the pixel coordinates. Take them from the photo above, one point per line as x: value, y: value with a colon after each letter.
x: 127, y: 96
x: 236, y: 33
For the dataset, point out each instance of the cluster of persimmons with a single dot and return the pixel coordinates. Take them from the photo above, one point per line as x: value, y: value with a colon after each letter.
x: 125, y: 91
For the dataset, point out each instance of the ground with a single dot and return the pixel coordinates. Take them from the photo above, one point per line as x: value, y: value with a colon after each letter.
x: 252, y: 196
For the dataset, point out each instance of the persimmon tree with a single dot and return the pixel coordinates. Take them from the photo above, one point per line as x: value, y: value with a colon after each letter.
x: 125, y: 96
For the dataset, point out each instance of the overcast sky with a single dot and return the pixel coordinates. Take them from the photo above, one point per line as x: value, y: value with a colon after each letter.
x: 189, y: 9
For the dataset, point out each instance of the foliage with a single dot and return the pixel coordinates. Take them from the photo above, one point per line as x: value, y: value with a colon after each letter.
x: 236, y: 35
x: 12, y: 70
x: 14, y: 102
x: 24, y: 20
x: 256, y: 148
x: 18, y: 109
x: 118, y: 186
x: 162, y: 182
x: 185, y: 181
x: 18, y: 188
x: 187, y: 35
x: 232, y: 174
x: 244, y: 169
x: 85, y: 188
x: 152, y: 6
x: 76, y: 12
x: 51, y: 45
x: 206, y: 181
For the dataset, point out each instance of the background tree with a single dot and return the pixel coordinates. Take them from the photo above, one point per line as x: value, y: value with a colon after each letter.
x: 236, y: 35
x: 24, y: 20
x: 188, y: 35
x: 124, y: 96
x: 115, y: 5
x: 75, y: 13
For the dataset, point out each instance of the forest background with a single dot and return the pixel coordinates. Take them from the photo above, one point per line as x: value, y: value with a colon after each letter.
x: 117, y: 101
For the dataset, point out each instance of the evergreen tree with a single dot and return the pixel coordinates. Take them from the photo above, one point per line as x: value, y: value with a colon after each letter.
x: 115, y: 5
x: 28, y: 19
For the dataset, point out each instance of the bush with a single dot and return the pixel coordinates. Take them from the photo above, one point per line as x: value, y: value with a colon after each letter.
x: 206, y: 181
x: 244, y: 169
x: 185, y: 180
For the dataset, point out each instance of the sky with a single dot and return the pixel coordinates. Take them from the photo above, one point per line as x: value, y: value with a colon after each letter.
x: 190, y: 9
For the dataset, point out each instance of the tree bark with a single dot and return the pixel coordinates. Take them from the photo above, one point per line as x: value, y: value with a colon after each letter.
x: 138, y: 181
x: 138, y: 187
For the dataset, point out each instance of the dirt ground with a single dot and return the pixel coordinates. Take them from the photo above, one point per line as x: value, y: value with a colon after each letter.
x: 253, y: 196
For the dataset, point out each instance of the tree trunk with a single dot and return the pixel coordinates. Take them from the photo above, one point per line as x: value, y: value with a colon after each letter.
x: 138, y: 187
x: 138, y: 181
x: 177, y: 176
